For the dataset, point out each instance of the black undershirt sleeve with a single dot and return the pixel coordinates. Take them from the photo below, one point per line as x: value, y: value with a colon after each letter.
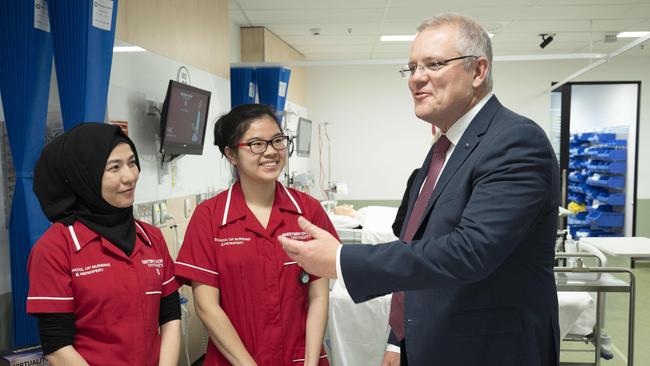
x: 56, y: 330
x: 170, y: 308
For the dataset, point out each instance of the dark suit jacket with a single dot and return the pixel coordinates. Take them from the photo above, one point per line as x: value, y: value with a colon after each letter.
x: 404, y: 205
x: 478, y: 277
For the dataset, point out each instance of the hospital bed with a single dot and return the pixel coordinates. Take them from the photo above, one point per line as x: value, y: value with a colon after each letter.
x: 357, y: 333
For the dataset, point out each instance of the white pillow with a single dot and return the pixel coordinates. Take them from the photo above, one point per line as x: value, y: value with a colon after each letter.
x: 344, y: 222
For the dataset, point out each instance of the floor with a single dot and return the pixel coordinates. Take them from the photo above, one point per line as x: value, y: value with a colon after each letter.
x: 616, y: 320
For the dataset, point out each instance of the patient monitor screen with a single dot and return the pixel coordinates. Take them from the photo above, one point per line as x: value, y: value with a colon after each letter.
x: 303, y: 137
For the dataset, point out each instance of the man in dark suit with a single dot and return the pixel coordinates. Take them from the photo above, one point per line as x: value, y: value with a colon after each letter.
x: 475, y: 255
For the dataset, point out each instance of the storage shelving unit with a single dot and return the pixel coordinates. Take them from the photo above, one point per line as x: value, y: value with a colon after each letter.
x: 597, y: 168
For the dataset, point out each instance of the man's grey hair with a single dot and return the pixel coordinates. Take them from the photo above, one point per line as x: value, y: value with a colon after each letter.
x: 473, y: 39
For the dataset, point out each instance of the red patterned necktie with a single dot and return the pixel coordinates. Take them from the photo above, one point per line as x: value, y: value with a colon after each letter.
x: 396, y: 318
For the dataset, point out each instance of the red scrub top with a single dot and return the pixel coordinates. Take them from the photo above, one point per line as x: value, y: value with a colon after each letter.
x: 115, y: 298
x: 226, y: 247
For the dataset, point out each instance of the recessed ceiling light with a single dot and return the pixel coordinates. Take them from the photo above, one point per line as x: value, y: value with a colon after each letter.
x: 398, y: 38
x: 118, y: 49
x: 632, y: 34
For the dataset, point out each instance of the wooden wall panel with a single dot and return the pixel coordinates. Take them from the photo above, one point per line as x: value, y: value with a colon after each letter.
x: 194, y: 32
x: 277, y: 50
x: 252, y: 44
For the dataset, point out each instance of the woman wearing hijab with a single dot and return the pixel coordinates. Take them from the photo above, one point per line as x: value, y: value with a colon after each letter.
x: 101, y: 283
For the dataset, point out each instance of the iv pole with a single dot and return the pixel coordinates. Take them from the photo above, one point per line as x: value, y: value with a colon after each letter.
x: 330, y: 191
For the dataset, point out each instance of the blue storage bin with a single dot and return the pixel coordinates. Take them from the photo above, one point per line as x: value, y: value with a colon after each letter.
x: 601, y: 208
x: 614, y: 199
x: 578, y: 187
x: 576, y: 197
x: 606, y: 219
x: 577, y: 163
x: 611, y: 154
x: 599, y: 138
x: 577, y: 151
x: 591, y: 151
x: 603, y: 159
x: 610, y: 234
x: 579, y: 219
x: 616, y: 143
x: 582, y: 137
x: 589, y: 232
x: 578, y: 176
x: 615, y: 182
x: 593, y: 192
x: 609, y: 167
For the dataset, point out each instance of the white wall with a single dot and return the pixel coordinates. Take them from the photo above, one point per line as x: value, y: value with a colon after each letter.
x: 235, y: 43
x: 137, y: 77
x: 377, y: 140
x: 601, y: 106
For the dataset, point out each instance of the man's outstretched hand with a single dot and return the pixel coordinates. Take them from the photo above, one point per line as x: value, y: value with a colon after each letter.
x: 317, y: 256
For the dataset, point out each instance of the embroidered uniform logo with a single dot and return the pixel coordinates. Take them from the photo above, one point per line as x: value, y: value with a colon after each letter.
x: 153, y: 263
x: 90, y: 270
x: 231, y: 241
x: 297, y: 235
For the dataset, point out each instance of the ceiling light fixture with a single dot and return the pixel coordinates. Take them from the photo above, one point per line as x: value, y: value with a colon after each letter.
x: 632, y: 34
x: 118, y: 49
x: 546, y: 39
x: 398, y: 38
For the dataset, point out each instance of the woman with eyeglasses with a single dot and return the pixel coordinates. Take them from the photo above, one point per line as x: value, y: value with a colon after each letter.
x: 259, y: 306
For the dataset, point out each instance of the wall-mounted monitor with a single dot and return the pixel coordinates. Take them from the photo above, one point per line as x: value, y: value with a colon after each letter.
x: 303, y: 137
x: 183, y: 119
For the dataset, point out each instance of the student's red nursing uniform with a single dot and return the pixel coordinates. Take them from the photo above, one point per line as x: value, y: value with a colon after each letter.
x: 226, y: 247
x: 115, y: 299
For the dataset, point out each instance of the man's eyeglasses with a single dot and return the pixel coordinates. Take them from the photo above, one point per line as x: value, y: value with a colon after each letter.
x: 260, y: 146
x: 409, y: 70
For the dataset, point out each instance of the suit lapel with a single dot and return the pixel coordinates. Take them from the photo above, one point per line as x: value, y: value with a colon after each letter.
x: 468, y: 142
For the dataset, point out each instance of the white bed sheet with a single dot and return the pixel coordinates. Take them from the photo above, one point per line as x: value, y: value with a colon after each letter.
x: 358, y: 332
x: 577, y: 312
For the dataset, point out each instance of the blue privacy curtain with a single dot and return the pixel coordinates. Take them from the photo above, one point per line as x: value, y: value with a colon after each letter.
x: 273, y: 85
x: 25, y: 70
x: 83, y: 32
x: 242, y: 86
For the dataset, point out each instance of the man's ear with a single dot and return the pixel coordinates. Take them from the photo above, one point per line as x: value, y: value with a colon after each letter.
x: 231, y: 155
x: 480, y: 72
